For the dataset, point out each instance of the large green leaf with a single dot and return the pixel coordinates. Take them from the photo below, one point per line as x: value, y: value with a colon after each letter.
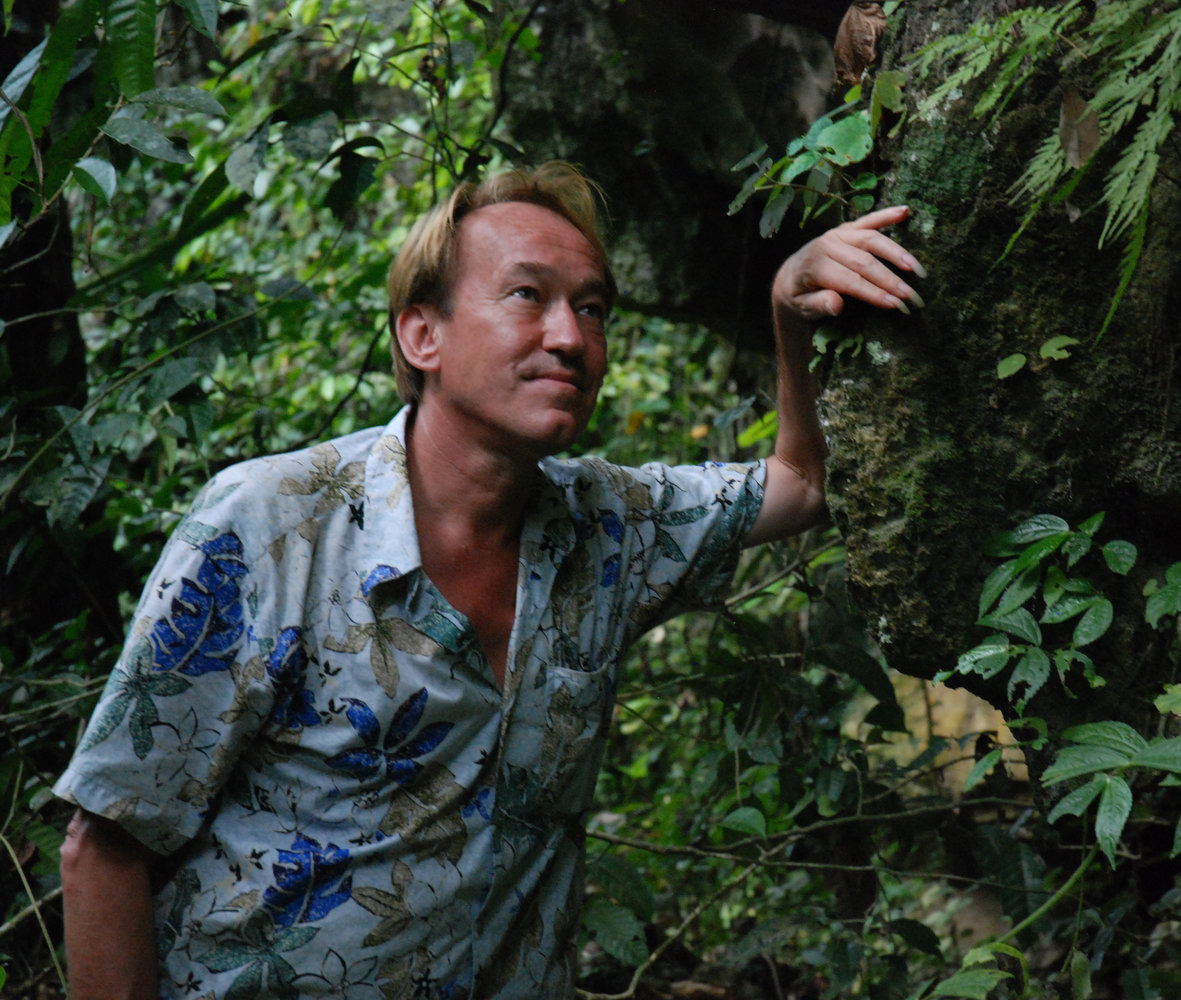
x: 131, y: 35
x: 15, y: 83
x: 1115, y: 805
x: 1074, y: 762
x: 1115, y: 735
x: 617, y: 929
x: 202, y: 15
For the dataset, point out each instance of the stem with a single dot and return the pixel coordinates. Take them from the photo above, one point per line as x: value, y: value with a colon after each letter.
x: 1054, y: 900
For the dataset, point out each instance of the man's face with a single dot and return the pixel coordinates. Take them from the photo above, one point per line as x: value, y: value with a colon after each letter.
x: 522, y: 355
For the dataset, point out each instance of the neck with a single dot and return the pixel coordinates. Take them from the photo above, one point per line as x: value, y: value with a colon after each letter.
x: 461, y: 489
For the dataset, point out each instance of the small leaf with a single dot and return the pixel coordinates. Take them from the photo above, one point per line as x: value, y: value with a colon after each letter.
x: 995, y: 585
x: 1075, y: 804
x: 750, y: 159
x: 763, y: 428
x: 776, y: 209
x: 1019, y: 623
x: 746, y: 819
x: 1010, y: 365
x: 1166, y: 601
x: 1037, y: 527
x: 848, y: 140
x: 1094, y: 623
x: 1115, y: 805
x: 917, y: 935
x: 1169, y: 703
x: 141, y: 135
x: 1120, y: 556
x: 617, y: 929
x: 97, y: 177
x: 1054, y: 349
x: 1032, y: 670
x: 183, y: 98
x: 981, y: 768
x: 988, y: 659
x: 1069, y: 606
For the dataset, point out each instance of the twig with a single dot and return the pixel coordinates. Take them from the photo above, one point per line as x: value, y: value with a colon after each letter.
x: 20, y: 874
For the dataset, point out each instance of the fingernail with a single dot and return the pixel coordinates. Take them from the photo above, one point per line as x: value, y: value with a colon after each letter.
x: 916, y: 300
x: 902, y: 308
x: 915, y: 266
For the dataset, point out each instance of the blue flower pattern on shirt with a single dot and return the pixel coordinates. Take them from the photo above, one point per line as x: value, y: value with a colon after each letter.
x: 365, y: 813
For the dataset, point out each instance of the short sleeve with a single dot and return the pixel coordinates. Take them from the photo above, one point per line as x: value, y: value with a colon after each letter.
x: 188, y: 692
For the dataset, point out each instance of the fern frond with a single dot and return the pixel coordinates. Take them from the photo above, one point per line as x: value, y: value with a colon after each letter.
x: 1128, y: 264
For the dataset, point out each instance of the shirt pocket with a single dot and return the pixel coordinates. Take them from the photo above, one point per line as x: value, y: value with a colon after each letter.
x: 577, y: 711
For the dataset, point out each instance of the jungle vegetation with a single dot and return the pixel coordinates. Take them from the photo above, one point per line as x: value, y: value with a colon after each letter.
x: 198, y: 204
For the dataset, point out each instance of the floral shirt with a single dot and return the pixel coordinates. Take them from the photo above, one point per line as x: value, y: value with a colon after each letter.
x: 350, y: 804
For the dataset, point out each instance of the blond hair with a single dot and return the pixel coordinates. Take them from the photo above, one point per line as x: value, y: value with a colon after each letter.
x: 423, y: 272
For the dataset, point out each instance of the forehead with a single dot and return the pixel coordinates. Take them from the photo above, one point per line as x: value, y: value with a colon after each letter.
x: 504, y: 235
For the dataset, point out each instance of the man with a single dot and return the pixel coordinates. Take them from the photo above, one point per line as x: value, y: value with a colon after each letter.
x: 353, y: 737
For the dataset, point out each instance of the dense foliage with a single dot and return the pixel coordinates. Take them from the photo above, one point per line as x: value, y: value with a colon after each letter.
x: 233, y: 178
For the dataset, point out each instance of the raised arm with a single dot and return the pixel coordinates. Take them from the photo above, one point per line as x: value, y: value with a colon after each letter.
x: 109, y: 923
x: 813, y: 283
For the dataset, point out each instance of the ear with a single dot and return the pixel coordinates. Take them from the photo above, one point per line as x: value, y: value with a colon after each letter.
x: 415, y: 329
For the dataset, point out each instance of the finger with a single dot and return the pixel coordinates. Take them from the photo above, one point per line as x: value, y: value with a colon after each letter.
x: 853, y: 271
x: 880, y: 218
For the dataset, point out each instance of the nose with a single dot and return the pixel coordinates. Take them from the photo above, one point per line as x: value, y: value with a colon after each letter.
x: 563, y: 332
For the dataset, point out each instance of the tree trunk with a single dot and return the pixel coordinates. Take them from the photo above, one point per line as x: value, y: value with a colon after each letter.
x: 932, y: 452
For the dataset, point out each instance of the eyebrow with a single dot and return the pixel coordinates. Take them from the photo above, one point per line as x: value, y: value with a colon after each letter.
x: 533, y: 269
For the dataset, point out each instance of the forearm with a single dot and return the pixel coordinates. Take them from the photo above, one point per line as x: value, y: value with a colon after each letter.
x: 794, y: 493
x: 110, y: 932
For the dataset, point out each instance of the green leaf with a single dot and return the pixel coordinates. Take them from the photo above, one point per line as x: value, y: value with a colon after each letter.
x: 971, y: 984
x: 1095, y: 622
x: 1115, y: 735
x: 97, y: 177
x: 356, y: 174
x: 1037, y: 527
x: 1066, y: 608
x: 1010, y: 365
x: 995, y: 585
x: 1166, y: 601
x: 1019, y: 623
x: 623, y: 882
x: 141, y: 135
x: 131, y: 37
x: 917, y: 935
x: 748, y: 820
x: 847, y: 140
x: 184, y: 98
x: 1120, y: 556
x: 775, y: 210
x: 245, y: 162
x: 202, y: 15
x: 1032, y: 670
x: 981, y: 768
x: 748, y: 188
x: 1115, y: 806
x: 763, y: 428
x: 617, y: 930
x: 886, y: 95
x: 1169, y: 703
x: 1055, y: 348
x: 1075, y: 761
x: 1076, y: 802
x: 1161, y: 754
x: 750, y: 159
x: 18, y: 79
x: 988, y: 659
